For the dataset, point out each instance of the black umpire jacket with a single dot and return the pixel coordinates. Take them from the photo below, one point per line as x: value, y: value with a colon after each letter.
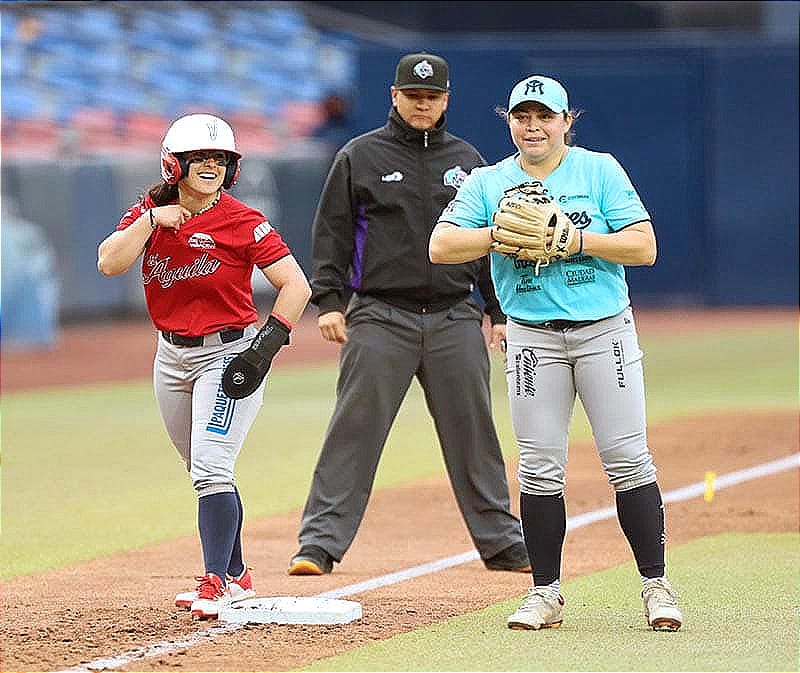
x: 381, y: 200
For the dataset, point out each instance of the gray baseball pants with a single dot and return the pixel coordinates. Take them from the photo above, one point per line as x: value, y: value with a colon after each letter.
x: 206, y: 427
x: 600, y: 362
x: 386, y: 348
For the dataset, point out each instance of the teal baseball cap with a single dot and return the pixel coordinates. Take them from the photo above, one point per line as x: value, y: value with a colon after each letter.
x: 539, y: 89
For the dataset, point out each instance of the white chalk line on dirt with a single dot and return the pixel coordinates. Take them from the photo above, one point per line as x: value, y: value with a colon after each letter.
x: 198, y: 637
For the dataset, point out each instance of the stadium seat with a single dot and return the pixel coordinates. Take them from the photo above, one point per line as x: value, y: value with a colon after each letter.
x: 97, y: 25
x: 145, y: 126
x: 147, y: 63
x: 300, y: 118
x: 32, y: 138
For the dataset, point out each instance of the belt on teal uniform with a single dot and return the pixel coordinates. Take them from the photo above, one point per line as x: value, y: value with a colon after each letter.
x: 558, y: 324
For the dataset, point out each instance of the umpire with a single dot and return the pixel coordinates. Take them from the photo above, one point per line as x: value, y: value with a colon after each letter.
x: 399, y: 316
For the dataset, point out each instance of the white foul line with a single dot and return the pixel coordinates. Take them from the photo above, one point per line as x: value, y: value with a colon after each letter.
x: 679, y: 494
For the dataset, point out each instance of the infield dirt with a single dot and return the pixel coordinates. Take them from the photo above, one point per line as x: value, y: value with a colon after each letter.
x: 72, y: 616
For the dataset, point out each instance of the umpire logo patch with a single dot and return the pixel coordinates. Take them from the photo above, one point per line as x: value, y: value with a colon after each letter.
x: 525, y: 373
x: 454, y: 177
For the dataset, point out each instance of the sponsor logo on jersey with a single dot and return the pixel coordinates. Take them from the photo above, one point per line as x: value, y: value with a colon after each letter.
x: 261, y: 230
x: 572, y: 197
x: 527, y: 283
x: 454, y: 177
x: 580, y: 219
x: 396, y: 176
x: 579, y: 276
x: 202, y: 241
x: 159, y: 269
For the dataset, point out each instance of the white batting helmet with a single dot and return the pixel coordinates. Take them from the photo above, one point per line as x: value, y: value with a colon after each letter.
x: 198, y: 132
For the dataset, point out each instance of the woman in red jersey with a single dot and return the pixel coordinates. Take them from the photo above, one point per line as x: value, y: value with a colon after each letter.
x: 199, y: 245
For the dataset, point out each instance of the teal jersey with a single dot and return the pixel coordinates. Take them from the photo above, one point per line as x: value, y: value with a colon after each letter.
x: 595, y: 192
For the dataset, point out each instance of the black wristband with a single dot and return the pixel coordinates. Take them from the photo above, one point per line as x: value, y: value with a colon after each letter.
x: 270, y: 338
x: 153, y: 224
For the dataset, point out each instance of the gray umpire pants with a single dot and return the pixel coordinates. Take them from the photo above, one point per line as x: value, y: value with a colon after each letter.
x: 388, y: 346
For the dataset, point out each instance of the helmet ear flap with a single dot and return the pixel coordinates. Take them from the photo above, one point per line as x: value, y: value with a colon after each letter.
x: 172, y: 167
x: 231, y: 172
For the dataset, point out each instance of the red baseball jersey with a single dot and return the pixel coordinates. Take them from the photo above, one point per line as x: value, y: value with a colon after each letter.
x: 199, y: 280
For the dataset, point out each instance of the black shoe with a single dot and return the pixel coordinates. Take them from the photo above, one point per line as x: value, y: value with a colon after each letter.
x: 513, y: 558
x: 311, y: 560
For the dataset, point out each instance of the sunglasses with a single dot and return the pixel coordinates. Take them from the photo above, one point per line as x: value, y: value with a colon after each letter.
x: 220, y: 158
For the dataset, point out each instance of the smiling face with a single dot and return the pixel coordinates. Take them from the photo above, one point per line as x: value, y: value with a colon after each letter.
x: 206, y: 171
x: 420, y: 108
x: 538, y: 132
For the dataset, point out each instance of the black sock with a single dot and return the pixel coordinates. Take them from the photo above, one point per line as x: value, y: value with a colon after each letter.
x: 217, y: 516
x: 236, y: 565
x: 544, y: 525
x: 641, y: 517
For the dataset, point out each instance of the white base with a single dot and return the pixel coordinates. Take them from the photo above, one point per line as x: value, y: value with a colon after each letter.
x: 292, y: 610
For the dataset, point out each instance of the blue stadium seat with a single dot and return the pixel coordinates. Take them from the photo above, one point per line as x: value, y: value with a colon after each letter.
x: 122, y: 97
x: 337, y: 61
x: 166, y: 58
x: 181, y: 26
x: 8, y: 28
x: 267, y: 23
x: 14, y: 62
x: 193, y: 22
x: 20, y: 101
x: 204, y: 60
x: 96, y: 24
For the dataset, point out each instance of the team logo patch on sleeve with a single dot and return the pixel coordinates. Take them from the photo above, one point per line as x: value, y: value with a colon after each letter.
x: 261, y: 230
x: 454, y: 177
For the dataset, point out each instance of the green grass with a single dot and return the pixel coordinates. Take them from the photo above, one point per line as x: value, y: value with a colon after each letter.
x: 739, y: 597
x: 89, y: 470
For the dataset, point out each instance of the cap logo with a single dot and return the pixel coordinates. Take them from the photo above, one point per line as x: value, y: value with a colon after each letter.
x: 534, y: 86
x: 423, y: 70
x: 212, y: 129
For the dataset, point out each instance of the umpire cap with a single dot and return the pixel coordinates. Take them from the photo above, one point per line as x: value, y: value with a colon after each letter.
x: 422, y: 71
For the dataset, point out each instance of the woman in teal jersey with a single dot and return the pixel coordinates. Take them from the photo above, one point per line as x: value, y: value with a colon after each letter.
x: 570, y: 331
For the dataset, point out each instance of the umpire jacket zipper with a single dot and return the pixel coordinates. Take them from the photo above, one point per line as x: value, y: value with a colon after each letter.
x: 427, y: 185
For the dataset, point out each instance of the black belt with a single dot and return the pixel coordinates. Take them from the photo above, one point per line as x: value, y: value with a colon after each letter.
x: 225, y: 336
x: 558, y: 324
x: 440, y: 304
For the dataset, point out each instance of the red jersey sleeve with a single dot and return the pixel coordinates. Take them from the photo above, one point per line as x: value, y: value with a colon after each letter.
x: 263, y: 245
x: 133, y: 213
